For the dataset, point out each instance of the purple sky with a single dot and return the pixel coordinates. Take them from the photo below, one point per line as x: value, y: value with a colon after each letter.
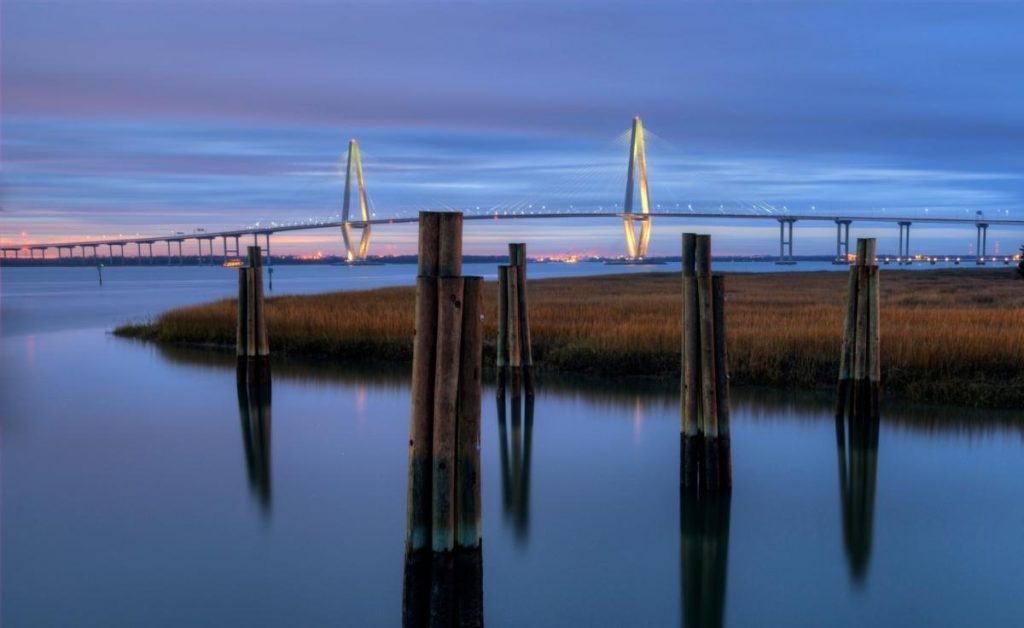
x: 149, y: 117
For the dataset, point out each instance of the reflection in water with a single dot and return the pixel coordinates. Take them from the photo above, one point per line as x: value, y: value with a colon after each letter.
x: 444, y: 589
x: 515, y: 473
x: 704, y: 528
x: 254, y: 409
x: 660, y: 395
x: 858, y: 466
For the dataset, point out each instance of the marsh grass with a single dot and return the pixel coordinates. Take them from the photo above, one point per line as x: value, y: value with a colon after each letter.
x: 951, y: 336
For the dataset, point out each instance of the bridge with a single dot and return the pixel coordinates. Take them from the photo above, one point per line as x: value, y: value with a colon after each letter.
x: 636, y: 219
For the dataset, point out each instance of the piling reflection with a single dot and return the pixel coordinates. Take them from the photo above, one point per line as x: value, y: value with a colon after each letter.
x: 253, y: 383
x: 443, y: 589
x: 858, y: 465
x: 515, y: 445
x: 704, y: 532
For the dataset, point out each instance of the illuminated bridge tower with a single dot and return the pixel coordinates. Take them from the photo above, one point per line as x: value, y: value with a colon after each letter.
x: 355, y: 163
x: 636, y: 244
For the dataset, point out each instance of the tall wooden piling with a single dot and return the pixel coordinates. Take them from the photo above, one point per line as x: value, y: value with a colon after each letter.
x: 515, y: 348
x: 859, y: 361
x: 467, y: 488
x: 443, y: 502
x: 251, y: 332
x: 421, y: 428
x: 446, y: 405
x: 692, y: 425
x: 722, y: 383
x: 705, y: 459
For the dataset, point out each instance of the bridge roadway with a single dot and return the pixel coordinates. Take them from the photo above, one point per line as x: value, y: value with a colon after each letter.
x: 786, y: 222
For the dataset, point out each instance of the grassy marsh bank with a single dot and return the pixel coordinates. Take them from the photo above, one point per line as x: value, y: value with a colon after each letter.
x: 949, y: 336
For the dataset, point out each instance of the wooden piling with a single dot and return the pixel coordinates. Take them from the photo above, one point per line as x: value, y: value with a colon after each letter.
x: 722, y: 382
x: 467, y: 478
x: 251, y: 329
x: 421, y: 428
x: 859, y: 360
x: 517, y: 258
x: 502, y: 344
x: 704, y: 380
x: 241, y: 330
x: 515, y: 363
x: 514, y: 351
x: 709, y: 394
x: 443, y: 506
x: 261, y: 341
x: 692, y: 448
x: 449, y: 245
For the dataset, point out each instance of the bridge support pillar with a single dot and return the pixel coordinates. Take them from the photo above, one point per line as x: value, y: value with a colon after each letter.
x: 267, y: 239
x: 843, y: 241
x: 903, y: 257
x: 786, y: 241
x: 636, y: 175
x: 982, y: 242
x: 354, y: 169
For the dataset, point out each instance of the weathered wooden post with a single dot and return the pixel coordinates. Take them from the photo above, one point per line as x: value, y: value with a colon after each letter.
x: 443, y: 564
x: 705, y: 449
x: 859, y: 361
x: 418, y: 506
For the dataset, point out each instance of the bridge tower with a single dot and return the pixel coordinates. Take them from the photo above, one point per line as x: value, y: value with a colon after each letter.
x: 636, y: 243
x: 355, y: 164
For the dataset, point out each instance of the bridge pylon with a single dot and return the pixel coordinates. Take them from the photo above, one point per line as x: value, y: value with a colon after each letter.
x: 636, y: 243
x: 355, y: 166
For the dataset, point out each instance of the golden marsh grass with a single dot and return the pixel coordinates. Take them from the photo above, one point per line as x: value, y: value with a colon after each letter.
x: 951, y: 336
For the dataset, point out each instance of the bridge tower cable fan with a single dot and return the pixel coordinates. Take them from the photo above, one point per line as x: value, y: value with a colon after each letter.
x: 355, y: 164
x: 636, y: 244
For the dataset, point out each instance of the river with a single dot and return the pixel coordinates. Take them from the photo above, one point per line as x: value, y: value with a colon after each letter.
x: 138, y: 491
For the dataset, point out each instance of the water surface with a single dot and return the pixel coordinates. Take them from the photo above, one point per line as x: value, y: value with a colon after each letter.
x: 139, y: 489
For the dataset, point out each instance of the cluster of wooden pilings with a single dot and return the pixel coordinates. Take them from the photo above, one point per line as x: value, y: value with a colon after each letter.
x: 443, y: 566
x: 860, y: 366
x: 514, y: 347
x: 705, y: 445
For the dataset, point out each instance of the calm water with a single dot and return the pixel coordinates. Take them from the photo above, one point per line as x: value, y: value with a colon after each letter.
x: 136, y: 491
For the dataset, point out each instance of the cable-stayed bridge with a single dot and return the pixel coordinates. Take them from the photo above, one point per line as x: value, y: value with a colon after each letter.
x: 636, y: 215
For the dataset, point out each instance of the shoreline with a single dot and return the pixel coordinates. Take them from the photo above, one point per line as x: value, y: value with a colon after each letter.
x: 948, y: 336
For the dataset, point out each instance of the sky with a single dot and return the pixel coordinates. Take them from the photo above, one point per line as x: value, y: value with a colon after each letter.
x: 151, y: 117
